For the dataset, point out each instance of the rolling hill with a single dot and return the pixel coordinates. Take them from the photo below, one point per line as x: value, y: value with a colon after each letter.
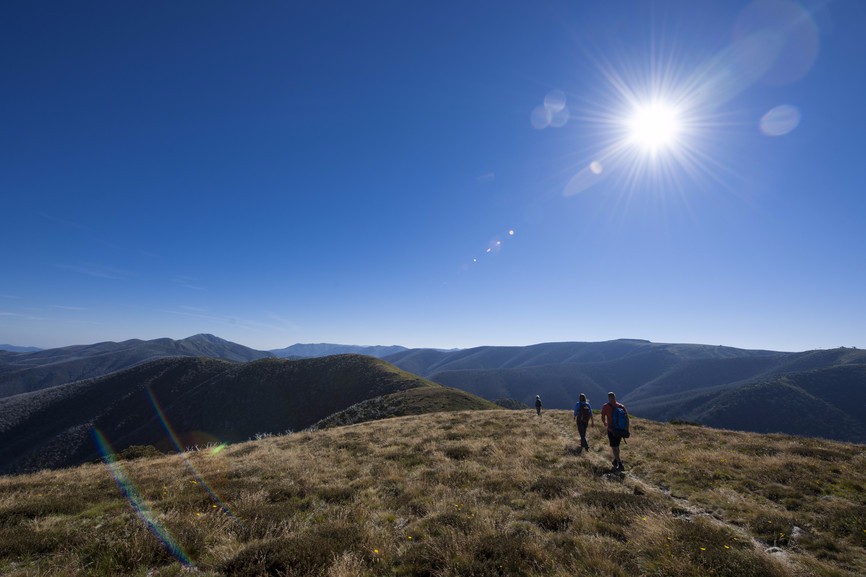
x: 476, y: 493
x: 175, y: 402
x: 26, y: 372
x: 706, y: 384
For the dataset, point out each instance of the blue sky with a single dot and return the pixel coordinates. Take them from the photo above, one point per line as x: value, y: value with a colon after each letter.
x: 434, y: 174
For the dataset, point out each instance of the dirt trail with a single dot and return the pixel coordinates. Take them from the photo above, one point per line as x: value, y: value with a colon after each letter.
x: 561, y: 425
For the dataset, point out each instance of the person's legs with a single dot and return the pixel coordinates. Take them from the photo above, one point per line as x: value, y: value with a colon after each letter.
x: 581, y: 428
x: 614, y: 449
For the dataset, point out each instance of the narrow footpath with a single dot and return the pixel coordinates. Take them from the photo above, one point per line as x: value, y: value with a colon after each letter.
x: 560, y: 424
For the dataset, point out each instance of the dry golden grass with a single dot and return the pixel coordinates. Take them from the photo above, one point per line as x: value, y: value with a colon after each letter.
x: 485, y: 493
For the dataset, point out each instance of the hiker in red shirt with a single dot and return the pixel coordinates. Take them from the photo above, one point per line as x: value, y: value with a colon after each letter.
x: 613, y: 435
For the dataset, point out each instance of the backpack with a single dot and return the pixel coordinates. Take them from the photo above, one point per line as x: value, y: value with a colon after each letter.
x: 619, y: 418
x: 584, y: 414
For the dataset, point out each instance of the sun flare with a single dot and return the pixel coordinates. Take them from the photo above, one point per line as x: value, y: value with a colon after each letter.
x: 654, y: 127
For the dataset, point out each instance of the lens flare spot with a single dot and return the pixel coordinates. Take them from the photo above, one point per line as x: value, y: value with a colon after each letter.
x: 555, y: 101
x: 552, y: 112
x: 780, y: 120
x: 595, y: 167
x: 511, y: 232
x: 559, y: 119
x: 796, y: 38
x: 540, y: 117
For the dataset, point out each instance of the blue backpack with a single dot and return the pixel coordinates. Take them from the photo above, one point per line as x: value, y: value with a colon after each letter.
x: 584, y: 413
x: 620, y: 422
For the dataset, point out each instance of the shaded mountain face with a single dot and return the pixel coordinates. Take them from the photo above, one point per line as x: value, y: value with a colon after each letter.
x: 325, y: 349
x: 719, y: 386
x: 178, y: 402
x: 560, y: 371
x: 26, y: 372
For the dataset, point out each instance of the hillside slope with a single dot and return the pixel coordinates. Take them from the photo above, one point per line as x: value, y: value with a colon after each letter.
x: 186, y: 401
x: 27, y: 372
x: 484, y: 493
x: 700, y: 383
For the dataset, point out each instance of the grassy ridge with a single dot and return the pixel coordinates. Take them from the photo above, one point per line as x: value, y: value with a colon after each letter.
x: 206, y: 400
x: 483, y: 493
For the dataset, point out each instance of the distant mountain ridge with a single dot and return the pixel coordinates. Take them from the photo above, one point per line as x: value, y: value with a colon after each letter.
x: 14, y: 349
x: 26, y: 372
x: 661, y: 381
x: 200, y: 400
x: 300, y: 350
x: 669, y: 381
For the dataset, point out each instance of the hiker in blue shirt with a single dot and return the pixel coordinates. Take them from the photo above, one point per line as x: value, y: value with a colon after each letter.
x: 583, y: 417
x: 538, y: 405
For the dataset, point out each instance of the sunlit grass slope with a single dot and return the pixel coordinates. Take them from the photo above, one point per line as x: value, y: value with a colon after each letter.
x: 207, y: 400
x: 481, y: 493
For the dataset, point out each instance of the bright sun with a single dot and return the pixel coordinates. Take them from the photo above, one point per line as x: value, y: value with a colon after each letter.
x: 654, y: 127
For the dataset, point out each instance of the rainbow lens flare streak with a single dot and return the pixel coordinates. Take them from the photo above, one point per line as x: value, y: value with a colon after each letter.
x: 200, y: 480
x: 133, y: 495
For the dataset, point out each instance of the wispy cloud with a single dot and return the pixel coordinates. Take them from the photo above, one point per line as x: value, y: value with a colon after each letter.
x: 20, y: 316
x: 148, y: 254
x: 68, y: 223
x: 194, y: 310
x: 287, y: 324
x: 11, y: 297
x: 96, y: 236
x: 486, y: 177
x: 188, y: 283
x: 68, y: 308
x: 96, y: 270
x: 233, y: 321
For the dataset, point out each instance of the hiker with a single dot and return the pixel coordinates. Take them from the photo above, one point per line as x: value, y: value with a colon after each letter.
x: 538, y: 405
x: 583, y: 416
x: 615, y: 417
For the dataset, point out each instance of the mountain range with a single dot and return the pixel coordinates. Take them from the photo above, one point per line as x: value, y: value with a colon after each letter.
x: 26, y: 369
x: 25, y: 372
x: 15, y: 349
x: 817, y: 393
x: 300, y: 350
x: 814, y: 393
